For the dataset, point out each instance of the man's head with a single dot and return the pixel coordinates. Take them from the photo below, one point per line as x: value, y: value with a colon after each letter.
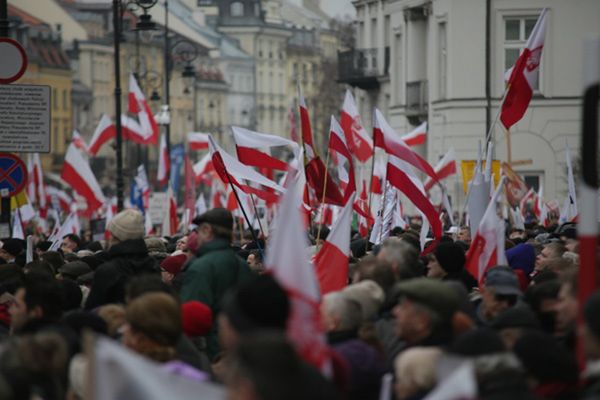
x: 402, y: 256
x: 126, y: 225
x: 213, y: 224
x: 257, y: 305
x: 550, y: 251
x: 425, y: 308
x: 415, y: 370
x: 500, y: 291
x: 70, y: 243
x: 567, y: 305
x: 339, y: 312
x: 40, y: 297
x: 255, y: 261
x: 171, y: 266
x: 464, y: 234
x: 11, y: 248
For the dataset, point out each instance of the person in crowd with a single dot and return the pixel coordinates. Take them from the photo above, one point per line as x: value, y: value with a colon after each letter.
x: 550, y: 251
x: 566, y: 309
x: 500, y: 291
x: 11, y: 249
x: 11, y: 279
x: 255, y: 261
x: 341, y: 318
x: 71, y: 243
x: 369, y: 295
x: 513, y: 322
x: 216, y: 268
x: 415, y: 371
x: 424, y: 312
x: 73, y: 270
x: 402, y: 256
x: 464, y: 235
x: 128, y: 257
x: 171, y: 266
x: 448, y: 263
x: 543, y: 300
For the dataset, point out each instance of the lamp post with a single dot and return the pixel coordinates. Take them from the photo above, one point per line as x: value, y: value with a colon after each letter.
x: 145, y: 23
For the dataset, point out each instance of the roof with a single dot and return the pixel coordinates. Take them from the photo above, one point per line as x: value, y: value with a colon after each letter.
x: 25, y: 17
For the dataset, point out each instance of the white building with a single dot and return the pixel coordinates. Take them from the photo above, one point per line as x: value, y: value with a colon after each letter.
x: 420, y: 60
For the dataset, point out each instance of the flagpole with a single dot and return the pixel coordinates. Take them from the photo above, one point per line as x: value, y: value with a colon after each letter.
x: 491, y: 130
x: 370, y: 191
x: 257, y: 217
x: 383, y: 210
x: 237, y: 197
x: 323, y: 196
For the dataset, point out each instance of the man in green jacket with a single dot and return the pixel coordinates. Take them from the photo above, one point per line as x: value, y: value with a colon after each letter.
x: 216, y: 269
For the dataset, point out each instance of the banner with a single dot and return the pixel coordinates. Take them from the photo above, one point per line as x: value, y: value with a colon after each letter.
x: 515, y: 186
x: 177, y: 155
x: 467, y: 168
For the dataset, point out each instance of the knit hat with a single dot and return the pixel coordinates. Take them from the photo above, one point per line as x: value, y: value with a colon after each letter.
x: 173, y: 264
x: 74, y: 269
x: 14, y: 247
x: 217, y: 217
x: 450, y: 256
x: 591, y: 314
x: 369, y: 295
x: 196, y: 318
x: 127, y: 225
x: 522, y: 257
x: 433, y: 294
x: 257, y: 304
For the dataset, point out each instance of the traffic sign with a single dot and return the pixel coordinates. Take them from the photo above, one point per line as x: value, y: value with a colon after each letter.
x: 13, y: 174
x: 13, y: 62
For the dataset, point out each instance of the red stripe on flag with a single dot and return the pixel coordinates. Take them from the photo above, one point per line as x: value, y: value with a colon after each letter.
x: 256, y: 158
x: 331, y: 265
x: 70, y: 175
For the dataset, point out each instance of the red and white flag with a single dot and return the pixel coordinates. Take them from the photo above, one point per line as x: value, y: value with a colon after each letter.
x: 170, y: 221
x: 203, y: 167
x: 314, y: 169
x: 138, y: 105
x: 232, y: 171
x: 70, y: 225
x: 77, y: 173
x: 444, y: 168
x: 189, y: 201
x: 387, y: 139
x: 288, y: 261
x: 417, y: 136
x: 339, y: 147
x: 197, y: 141
x: 529, y: 196
x: 78, y: 141
x: 59, y: 199
x: 540, y: 209
x: 487, y: 246
x: 378, y: 181
x: 253, y: 149
x: 363, y: 203
x: 293, y: 125
x: 331, y: 262
x: 524, y: 76
x: 105, y: 131
x: 164, y: 162
x: 141, y: 181
x: 133, y: 131
x: 358, y: 139
x: 36, y: 189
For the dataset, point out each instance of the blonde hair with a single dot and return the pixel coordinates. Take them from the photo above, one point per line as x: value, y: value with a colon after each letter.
x: 416, y: 367
x: 114, y: 316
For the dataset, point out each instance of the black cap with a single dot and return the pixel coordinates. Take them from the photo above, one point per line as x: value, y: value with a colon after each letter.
x: 14, y: 247
x: 217, y: 216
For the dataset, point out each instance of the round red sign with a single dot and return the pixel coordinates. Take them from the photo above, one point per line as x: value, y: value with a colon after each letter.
x: 13, y: 62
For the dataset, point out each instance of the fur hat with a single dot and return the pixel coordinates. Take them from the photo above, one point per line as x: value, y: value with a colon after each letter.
x: 127, y: 225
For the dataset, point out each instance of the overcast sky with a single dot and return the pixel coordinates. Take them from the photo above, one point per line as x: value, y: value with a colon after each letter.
x: 338, y: 8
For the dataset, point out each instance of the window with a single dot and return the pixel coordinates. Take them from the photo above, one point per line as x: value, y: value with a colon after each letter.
x: 442, y: 62
x: 236, y: 9
x: 398, y: 69
x: 532, y: 180
x: 516, y: 32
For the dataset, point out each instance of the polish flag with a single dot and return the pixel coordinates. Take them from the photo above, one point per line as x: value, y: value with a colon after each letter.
x: 417, y: 136
x: 77, y: 173
x: 190, y: 189
x: 386, y: 138
x: 203, y: 167
x: 338, y: 145
x: 331, y: 262
x: 197, y: 141
x: 164, y: 162
x: 289, y: 263
x: 110, y: 213
x: 250, y: 147
x: 360, y: 142
x: 70, y: 225
x: 293, y: 126
x: 59, y: 198
x: 524, y: 76
x: 105, y: 131
x: 231, y: 171
x: 363, y: 202
x: 78, y: 141
x: 170, y: 222
x: 133, y: 131
x: 138, y: 105
x: 444, y: 168
x: 36, y: 189
x: 377, y: 183
x: 315, y: 170
x: 487, y: 246
x: 540, y: 209
x: 529, y: 196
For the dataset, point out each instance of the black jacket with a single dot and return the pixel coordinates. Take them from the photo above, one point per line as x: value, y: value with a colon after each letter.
x: 126, y: 259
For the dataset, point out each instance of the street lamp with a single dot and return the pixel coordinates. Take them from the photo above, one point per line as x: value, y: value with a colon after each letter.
x: 117, y: 8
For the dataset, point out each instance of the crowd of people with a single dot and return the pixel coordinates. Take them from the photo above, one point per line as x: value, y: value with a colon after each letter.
x: 204, y: 305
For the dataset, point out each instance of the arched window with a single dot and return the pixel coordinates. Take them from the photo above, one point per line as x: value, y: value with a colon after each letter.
x: 237, y: 9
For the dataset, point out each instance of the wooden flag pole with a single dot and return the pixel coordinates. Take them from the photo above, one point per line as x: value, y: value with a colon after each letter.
x: 508, y: 147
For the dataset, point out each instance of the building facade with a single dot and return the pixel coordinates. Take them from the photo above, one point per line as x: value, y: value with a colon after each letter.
x: 426, y: 61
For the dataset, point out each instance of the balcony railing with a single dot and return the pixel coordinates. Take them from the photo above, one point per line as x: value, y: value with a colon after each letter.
x: 416, y: 98
x: 360, y: 67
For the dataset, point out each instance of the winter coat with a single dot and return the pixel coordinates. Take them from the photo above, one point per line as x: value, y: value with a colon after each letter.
x: 208, y: 277
x: 126, y: 259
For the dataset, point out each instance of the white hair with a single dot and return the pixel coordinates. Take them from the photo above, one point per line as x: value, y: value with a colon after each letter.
x: 344, y: 309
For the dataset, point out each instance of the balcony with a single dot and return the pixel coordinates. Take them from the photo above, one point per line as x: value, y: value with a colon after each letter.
x: 359, y: 67
x: 416, y: 99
